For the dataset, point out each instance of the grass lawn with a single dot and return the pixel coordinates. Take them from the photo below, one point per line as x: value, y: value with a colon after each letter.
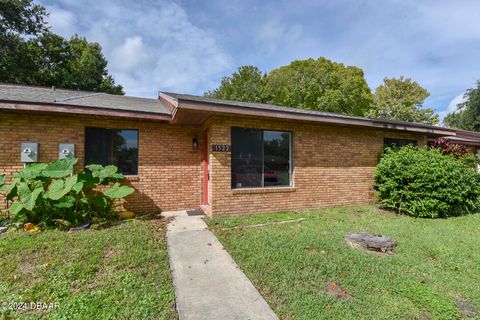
x: 437, y: 263
x: 121, y: 272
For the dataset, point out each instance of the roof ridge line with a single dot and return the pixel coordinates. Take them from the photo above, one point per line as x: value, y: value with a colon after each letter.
x: 79, y: 97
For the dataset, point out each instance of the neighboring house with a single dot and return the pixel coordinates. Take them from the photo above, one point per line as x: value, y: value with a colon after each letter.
x: 182, y: 151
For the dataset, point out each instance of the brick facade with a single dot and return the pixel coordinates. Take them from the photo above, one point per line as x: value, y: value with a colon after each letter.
x: 168, y: 169
x: 332, y: 165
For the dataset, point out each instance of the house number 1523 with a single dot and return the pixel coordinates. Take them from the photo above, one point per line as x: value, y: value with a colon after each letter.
x: 221, y: 148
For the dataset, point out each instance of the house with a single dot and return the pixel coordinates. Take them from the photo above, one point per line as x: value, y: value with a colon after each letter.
x: 182, y: 151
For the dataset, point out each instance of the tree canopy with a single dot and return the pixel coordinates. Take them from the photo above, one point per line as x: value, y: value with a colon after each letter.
x: 308, y: 84
x: 243, y: 85
x: 467, y: 115
x: 31, y: 54
x: 401, y: 99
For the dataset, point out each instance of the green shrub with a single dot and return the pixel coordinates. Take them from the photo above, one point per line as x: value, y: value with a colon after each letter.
x: 50, y: 193
x: 425, y: 183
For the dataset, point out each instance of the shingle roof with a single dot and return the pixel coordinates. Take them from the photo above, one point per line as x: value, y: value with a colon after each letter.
x: 254, y: 105
x: 20, y: 93
x: 156, y: 108
x: 283, y: 109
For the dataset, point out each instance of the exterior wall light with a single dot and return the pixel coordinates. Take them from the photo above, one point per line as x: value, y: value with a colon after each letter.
x: 194, y: 144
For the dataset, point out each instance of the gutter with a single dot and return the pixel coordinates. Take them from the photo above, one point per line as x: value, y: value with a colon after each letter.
x: 82, y: 110
x: 218, y: 107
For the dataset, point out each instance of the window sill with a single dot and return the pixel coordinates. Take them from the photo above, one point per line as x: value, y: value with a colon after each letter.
x: 132, y: 177
x: 263, y: 190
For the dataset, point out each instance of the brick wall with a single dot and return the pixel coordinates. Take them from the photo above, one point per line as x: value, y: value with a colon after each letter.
x: 168, y: 169
x: 332, y: 166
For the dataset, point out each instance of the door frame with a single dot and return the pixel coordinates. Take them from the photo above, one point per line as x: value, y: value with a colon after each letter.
x: 205, y: 171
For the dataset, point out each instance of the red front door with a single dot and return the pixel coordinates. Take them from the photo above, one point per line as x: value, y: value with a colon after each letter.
x: 205, y: 175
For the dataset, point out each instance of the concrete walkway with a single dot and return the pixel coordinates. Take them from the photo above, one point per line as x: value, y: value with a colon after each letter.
x: 208, y: 283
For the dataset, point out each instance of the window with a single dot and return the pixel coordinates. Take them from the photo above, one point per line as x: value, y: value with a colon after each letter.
x: 261, y: 158
x: 112, y: 146
x: 398, y: 143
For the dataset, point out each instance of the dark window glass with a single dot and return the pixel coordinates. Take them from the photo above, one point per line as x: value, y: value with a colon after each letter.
x: 398, y: 143
x: 276, y: 158
x: 260, y: 158
x: 247, y: 145
x: 112, y: 146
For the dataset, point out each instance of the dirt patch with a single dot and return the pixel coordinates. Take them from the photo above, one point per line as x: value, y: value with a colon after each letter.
x: 337, y: 292
x: 31, y: 260
x: 389, y: 212
x: 310, y: 249
x: 260, y: 225
x: 109, y: 252
x: 27, y: 267
x: 465, y: 307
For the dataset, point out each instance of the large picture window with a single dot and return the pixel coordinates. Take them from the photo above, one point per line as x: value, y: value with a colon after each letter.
x: 112, y: 146
x: 261, y: 158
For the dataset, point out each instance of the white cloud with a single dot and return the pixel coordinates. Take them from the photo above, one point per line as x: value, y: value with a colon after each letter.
x: 273, y: 35
x: 453, y: 105
x: 189, y: 45
x: 131, y: 55
x: 150, y: 46
x: 61, y: 21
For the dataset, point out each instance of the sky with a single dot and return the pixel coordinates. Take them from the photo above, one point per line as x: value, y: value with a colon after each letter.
x: 188, y: 46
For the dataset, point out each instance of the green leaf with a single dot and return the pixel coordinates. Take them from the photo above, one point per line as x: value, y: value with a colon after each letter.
x: 31, y: 171
x: 101, y: 202
x: 106, y: 172
x: 12, y: 190
x: 62, y: 222
x: 16, y: 207
x: 118, y: 176
x: 3, y: 187
x: 28, y: 198
x: 88, y: 180
x: 117, y: 191
x: 78, y: 187
x: 65, y: 202
x: 59, y: 187
x: 60, y: 168
x: 94, y: 167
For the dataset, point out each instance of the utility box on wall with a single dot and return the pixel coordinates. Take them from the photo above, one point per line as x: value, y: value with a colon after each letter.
x: 29, y: 152
x: 66, y: 150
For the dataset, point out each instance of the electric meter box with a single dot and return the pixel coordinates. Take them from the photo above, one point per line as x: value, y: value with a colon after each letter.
x: 29, y: 152
x: 66, y: 150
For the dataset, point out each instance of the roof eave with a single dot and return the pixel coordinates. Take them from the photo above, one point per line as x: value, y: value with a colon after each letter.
x: 219, y: 108
x: 81, y: 110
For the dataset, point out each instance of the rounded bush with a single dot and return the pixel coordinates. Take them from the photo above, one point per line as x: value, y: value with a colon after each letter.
x: 423, y: 182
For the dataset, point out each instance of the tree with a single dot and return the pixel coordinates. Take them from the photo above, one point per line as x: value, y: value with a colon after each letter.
x: 401, y: 99
x: 21, y: 17
x: 18, y: 19
x: 308, y: 84
x: 243, y: 85
x: 319, y: 85
x: 31, y: 54
x: 467, y: 116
